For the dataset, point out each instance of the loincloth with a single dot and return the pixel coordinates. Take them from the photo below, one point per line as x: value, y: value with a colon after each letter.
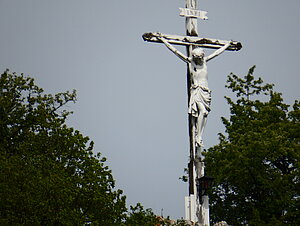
x: 199, y: 95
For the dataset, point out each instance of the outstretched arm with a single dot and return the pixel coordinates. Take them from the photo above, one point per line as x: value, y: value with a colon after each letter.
x: 218, y: 51
x: 174, y: 50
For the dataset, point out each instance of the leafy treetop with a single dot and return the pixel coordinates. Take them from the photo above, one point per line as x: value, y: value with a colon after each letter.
x: 256, y: 163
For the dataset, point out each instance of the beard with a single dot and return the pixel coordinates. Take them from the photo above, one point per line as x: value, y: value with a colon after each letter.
x: 198, y: 60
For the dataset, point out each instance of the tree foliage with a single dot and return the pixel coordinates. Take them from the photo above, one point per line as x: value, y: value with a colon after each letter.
x: 140, y: 216
x: 256, y: 163
x: 48, y: 172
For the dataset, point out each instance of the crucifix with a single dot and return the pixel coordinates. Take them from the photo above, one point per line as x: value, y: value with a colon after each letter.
x: 199, y: 98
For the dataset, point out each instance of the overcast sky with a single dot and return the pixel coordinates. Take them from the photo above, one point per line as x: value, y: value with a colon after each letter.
x: 132, y: 95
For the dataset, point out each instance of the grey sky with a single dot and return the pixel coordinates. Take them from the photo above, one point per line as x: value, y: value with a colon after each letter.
x: 132, y: 97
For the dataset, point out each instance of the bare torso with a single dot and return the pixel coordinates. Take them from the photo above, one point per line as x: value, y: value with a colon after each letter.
x: 199, y: 74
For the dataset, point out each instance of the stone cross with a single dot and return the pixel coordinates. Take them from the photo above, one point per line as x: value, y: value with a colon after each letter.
x: 198, y: 97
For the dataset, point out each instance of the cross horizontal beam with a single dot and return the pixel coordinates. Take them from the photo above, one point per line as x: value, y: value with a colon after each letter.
x: 190, y: 40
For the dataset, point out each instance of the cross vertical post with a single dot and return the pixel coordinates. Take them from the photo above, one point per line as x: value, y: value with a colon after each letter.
x: 191, y: 30
x: 196, y: 210
x: 191, y: 200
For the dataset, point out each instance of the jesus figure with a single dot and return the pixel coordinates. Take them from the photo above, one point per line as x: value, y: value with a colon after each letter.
x: 200, y: 94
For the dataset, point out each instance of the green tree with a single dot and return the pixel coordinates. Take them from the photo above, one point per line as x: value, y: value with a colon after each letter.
x: 48, y: 172
x: 139, y: 216
x: 256, y: 163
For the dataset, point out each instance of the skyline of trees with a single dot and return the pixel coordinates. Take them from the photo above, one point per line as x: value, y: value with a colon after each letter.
x: 256, y: 163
